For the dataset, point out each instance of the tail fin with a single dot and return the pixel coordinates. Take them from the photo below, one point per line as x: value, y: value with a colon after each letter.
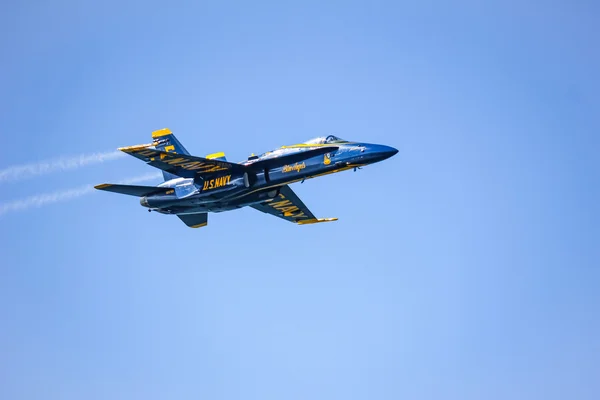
x: 217, y: 156
x: 165, y: 141
x: 194, y: 220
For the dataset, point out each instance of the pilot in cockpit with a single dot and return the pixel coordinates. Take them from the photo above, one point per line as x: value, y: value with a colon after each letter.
x: 326, y: 140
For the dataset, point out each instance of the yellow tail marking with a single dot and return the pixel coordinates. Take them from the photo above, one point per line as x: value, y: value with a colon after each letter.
x: 215, y: 155
x: 161, y: 132
x: 199, y: 225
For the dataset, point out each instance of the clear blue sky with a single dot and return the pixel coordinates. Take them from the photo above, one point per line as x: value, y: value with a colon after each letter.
x: 466, y: 267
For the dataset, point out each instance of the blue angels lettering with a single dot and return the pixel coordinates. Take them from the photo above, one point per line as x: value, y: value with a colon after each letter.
x: 296, y: 167
x: 194, y: 186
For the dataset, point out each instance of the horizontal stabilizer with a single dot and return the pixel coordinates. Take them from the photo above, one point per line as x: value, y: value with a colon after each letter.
x: 139, y: 191
x: 194, y: 220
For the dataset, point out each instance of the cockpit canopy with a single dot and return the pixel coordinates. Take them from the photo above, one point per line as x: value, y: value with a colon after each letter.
x: 326, y: 140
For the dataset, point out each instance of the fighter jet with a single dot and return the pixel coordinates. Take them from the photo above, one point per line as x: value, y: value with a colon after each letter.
x: 195, y: 186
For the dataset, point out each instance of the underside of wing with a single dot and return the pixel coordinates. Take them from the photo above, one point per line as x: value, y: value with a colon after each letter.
x: 183, y: 165
x: 287, y: 205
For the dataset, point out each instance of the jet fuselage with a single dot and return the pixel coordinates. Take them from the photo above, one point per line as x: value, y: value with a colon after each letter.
x: 224, y: 191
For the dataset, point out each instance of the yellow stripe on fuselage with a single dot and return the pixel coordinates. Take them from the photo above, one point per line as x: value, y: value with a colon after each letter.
x: 302, y: 145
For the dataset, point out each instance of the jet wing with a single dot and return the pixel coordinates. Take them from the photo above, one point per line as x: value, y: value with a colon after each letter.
x: 287, y: 205
x: 183, y: 165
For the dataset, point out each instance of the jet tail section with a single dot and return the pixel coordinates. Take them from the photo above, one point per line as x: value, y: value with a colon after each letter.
x: 217, y: 156
x: 166, y: 141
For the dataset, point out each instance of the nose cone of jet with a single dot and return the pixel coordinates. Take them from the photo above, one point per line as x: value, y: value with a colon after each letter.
x: 387, y: 152
x: 377, y: 152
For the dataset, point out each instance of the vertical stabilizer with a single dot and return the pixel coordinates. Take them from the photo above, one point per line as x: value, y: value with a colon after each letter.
x: 165, y: 141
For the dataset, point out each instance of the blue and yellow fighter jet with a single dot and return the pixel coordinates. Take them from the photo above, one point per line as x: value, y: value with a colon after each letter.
x: 195, y: 186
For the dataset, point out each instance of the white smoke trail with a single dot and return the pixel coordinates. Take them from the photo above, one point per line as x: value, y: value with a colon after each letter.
x: 25, y: 171
x: 64, y: 195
